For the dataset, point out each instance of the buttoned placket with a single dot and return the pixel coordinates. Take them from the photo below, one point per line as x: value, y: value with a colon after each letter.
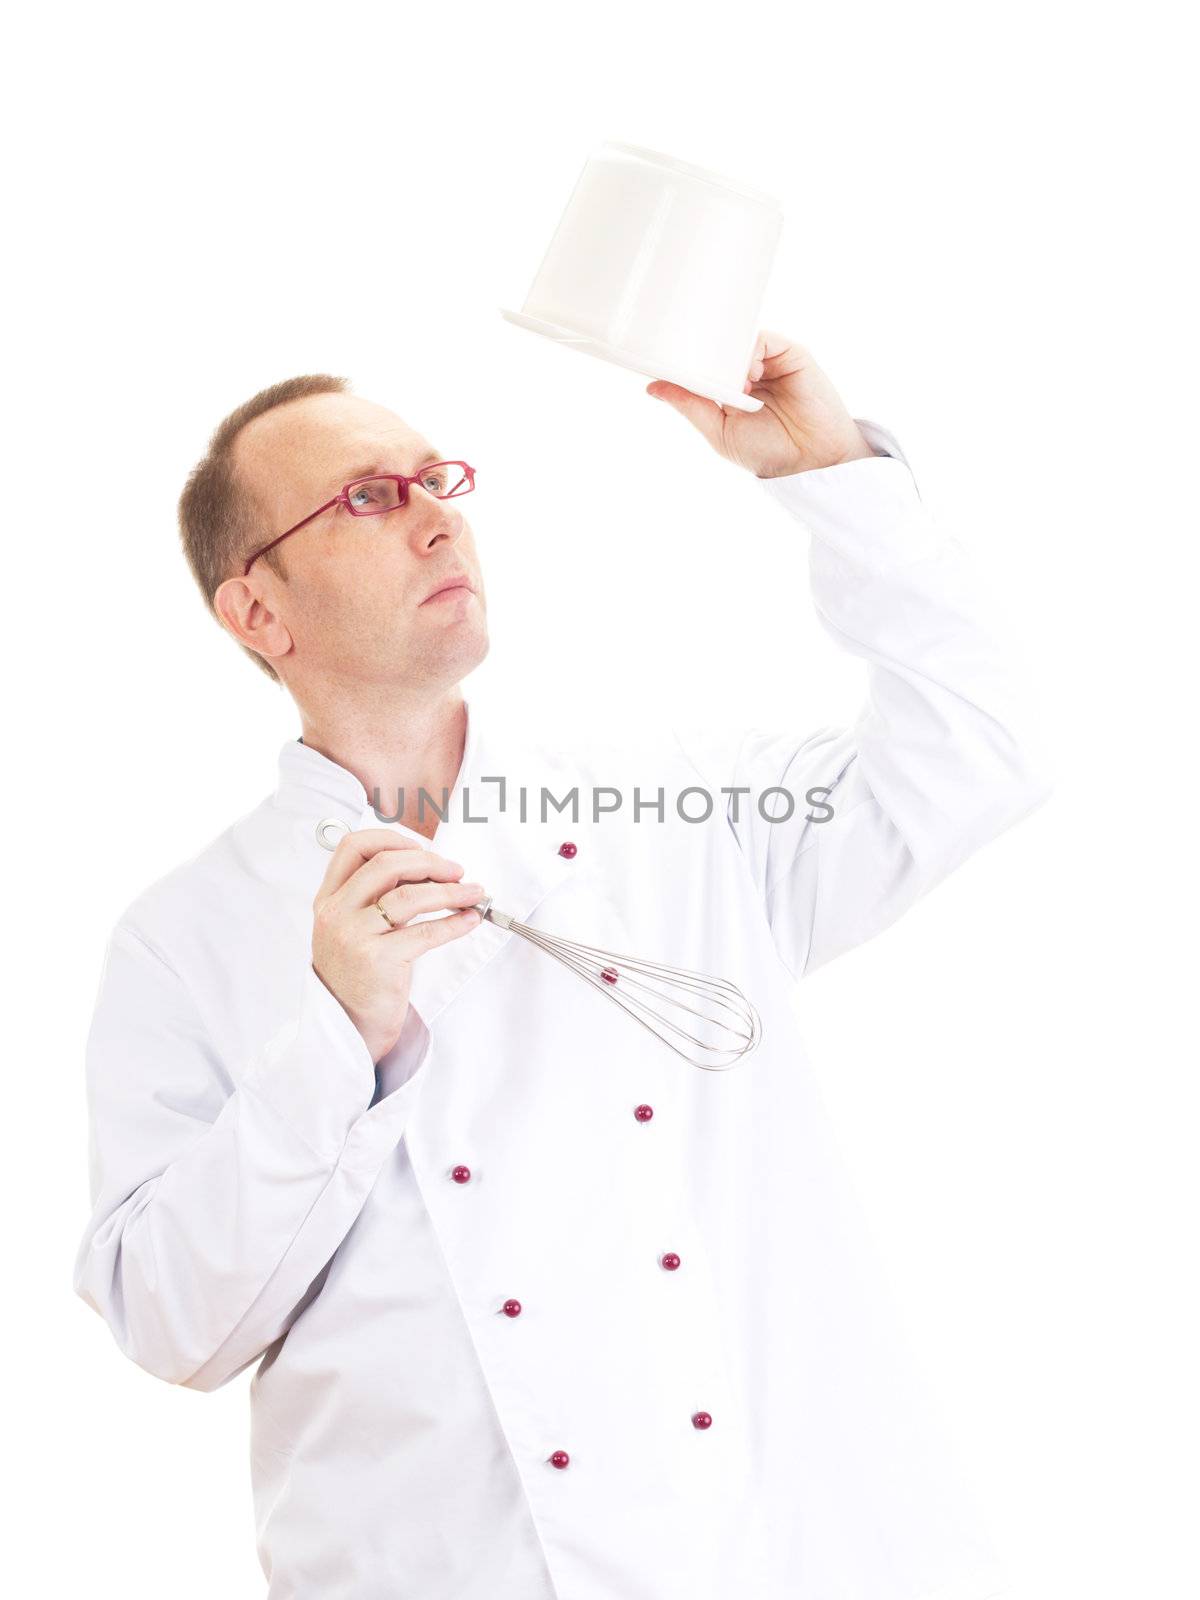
x: 669, y: 1260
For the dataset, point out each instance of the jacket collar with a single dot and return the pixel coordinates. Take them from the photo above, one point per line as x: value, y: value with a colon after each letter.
x: 517, y: 861
x: 306, y: 777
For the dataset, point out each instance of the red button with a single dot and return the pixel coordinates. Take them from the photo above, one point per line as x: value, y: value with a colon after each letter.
x: 702, y: 1420
x: 461, y: 1174
x: 512, y: 1308
x: 609, y: 974
x: 643, y: 1113
x: 567, y: 850
x: 670, y: 1261
x: 560, y: 1458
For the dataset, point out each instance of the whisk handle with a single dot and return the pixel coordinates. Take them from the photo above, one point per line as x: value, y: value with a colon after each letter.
x: 501, y: 919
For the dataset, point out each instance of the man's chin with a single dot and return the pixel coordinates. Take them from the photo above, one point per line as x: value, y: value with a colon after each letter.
x: 447, y: 659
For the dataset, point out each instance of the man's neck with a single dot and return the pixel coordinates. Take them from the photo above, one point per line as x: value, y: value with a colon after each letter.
x: 396, y: 752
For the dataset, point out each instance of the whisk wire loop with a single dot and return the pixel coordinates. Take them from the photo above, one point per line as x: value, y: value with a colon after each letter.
x: 656, y: 995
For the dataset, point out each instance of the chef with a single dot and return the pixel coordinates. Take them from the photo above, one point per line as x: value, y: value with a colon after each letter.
x: 536, y: 1309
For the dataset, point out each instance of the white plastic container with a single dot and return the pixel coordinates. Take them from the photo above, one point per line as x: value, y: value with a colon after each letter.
x: 661, y: 267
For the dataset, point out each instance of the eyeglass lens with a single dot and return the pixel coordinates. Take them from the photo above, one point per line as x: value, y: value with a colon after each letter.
x: 443, y: 479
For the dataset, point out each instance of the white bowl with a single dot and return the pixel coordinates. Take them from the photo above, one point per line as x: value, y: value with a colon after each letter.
x: 661, y: 267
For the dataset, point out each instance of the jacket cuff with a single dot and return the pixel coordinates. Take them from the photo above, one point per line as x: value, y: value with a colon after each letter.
x: 316, y: 1074
x: 869, y: 511
x: 398, y: 1081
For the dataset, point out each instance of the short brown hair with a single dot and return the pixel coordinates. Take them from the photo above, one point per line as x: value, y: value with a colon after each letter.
x: 216, y: 522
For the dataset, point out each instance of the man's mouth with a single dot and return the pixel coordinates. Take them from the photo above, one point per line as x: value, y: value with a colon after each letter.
x: 449, y: 587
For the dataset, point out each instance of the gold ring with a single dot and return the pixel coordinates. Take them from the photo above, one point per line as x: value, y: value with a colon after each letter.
x: 385, y: 916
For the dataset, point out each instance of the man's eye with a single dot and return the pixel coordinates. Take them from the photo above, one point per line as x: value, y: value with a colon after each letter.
x: 361, y: 497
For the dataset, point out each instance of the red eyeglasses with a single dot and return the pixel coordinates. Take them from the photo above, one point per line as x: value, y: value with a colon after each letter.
x: 371, y: 497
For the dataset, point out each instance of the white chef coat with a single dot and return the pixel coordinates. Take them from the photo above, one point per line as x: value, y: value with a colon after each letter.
x: 261, y: 1193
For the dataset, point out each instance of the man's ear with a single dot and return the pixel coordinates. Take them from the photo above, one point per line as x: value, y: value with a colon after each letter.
x: 240, y: 607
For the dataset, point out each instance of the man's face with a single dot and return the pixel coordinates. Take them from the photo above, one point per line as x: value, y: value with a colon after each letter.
x: 356, y: 601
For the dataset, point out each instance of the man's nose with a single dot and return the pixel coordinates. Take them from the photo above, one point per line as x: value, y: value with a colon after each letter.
x: 431, y: 520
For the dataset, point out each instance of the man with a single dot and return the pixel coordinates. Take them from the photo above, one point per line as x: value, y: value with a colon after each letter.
x: 540, y: 1310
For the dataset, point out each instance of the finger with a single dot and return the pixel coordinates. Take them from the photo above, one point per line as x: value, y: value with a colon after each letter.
x: 774, y: 356
x: 779, y: 354
x: 704, y: 415
x: 356, y: 847
x: 387, y: 868
x: 421, y: 936
x: 412, y: 900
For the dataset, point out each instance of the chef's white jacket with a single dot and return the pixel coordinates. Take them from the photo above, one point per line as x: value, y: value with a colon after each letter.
x: 262, y: 1194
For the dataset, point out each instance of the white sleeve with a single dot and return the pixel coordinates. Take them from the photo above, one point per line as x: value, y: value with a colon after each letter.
x: 221, y: 1190
x: 939, y: 760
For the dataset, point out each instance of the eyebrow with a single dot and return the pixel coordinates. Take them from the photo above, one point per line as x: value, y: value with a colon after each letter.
x: 374, y: 467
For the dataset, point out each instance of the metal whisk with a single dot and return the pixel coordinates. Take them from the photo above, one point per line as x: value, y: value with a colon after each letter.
x: 667, y: 1000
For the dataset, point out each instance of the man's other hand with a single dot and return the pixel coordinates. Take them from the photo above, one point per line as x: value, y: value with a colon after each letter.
x: 361, y: 960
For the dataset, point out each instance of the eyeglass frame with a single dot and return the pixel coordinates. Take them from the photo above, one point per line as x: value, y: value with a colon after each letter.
x: 342, y: 499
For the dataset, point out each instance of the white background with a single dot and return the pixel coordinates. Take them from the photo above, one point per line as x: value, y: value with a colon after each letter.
x: 985, y: 245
